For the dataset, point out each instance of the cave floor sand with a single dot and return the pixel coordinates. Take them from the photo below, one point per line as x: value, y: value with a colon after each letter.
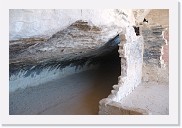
x: 77, y: 94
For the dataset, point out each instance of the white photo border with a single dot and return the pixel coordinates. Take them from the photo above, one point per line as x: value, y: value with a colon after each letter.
x: 171, y: 119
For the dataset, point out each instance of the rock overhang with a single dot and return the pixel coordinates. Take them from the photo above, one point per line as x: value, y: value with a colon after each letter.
x: 86, y: 39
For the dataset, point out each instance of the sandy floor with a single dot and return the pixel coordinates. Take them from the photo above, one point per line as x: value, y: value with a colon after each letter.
x: 76, y: 94
x: 152, y: 97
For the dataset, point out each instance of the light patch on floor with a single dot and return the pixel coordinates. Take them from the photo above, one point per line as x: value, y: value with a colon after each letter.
x: 152, y: 97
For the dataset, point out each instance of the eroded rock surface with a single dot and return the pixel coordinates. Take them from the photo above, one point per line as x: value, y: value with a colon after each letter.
x: 33, y: 23
x: 42, y: 54
x: 154, y: 67
x: 154, y: 42
x: 79, y: 45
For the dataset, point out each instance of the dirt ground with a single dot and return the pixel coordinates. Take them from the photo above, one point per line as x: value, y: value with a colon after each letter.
x: 75, y: 94
x: 150, y: 96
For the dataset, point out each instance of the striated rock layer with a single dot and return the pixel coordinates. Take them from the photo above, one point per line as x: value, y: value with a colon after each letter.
x: 154, y: 67
x: 46, y: 44
x: 74, y: 49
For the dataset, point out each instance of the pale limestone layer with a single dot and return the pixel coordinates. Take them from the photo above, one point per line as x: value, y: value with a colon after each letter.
x: 26, y: 23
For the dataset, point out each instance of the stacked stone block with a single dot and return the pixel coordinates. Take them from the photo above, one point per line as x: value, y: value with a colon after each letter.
x: 154, y: 66
x: 131, y: 53
x: 153, y: 45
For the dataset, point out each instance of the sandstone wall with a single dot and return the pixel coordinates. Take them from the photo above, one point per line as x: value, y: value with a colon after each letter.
x: 156, y: 46
x: 158, y: 17
x: 154, y: 41
x: 33, y: 70
x: 71, y: 36
x: 131, y: 53
x: 155, y: 67
x: 140, y: 14
x: 93, y: 28
x: 26, y: 23
x: 165, y: 55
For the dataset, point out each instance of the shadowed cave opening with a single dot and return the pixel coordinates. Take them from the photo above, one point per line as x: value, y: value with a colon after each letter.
x: 78, y: 93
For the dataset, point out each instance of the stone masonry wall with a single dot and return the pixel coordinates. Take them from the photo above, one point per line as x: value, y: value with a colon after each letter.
x: 155, y: 45
x: 131, y: 53
x: 165, y: 55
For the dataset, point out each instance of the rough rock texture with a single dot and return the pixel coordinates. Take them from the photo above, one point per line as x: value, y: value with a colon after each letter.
x: 158, y: 17
x: 165, y: 55
x: 78, y: 38
x: 153, y: 16
x: 154, y: 41
x: 151, y: 73
x: 146, y: 99
x: 131, y: 53
x: 140, y: 14
x: 32, y: 23
x: 77, y: 48
x: 154, y: 67
x: 46, y: 44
